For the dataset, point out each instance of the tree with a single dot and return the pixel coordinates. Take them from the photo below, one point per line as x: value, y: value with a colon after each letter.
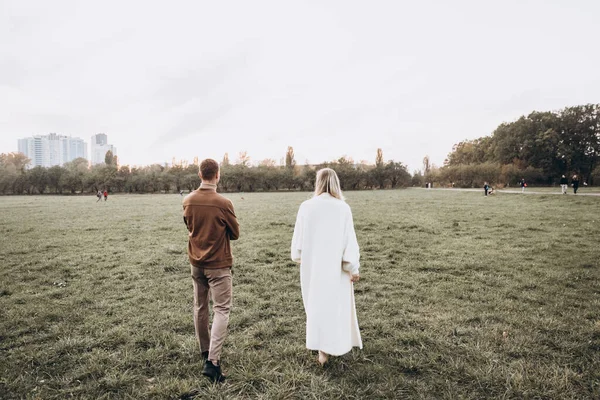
x: 290, y: 161
x: 378, y: 174
x: 350, y: 178
x: 243, y: 159
x: 12, y: 172
x: 108, y: 158
x: 76, y: 171
x: 225, y: 162
x: 553, y: 142
x: 397, y: 174
x: 19, y: 160
x: 267, y: 162
x: 8, y: 177
x: 379, y: 159
x: 178, y: 174
x: 122, y: 179
x: 54, y: 175
x: 426, y: 165
x: 417, y: 179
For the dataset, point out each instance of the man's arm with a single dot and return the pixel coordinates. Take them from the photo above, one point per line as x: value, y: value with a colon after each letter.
x: 185, y: 220
x: 233, y: 227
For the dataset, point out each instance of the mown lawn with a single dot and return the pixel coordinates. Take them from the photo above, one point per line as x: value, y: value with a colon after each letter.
x: 461, y: 296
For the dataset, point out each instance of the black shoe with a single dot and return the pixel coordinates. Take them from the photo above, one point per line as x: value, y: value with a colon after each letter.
x: 205, y: 355
x: 213, y: 372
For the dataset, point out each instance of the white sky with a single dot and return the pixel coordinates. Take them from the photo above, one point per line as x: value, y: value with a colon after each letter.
x: 330, y: 78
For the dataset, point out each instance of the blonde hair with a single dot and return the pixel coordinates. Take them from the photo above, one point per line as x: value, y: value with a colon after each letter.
x: 328, y: 182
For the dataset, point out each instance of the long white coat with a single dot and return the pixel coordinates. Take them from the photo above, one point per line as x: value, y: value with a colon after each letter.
x: 325, y: 245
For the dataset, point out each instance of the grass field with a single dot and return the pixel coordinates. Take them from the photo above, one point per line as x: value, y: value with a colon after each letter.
x: 461, y: 296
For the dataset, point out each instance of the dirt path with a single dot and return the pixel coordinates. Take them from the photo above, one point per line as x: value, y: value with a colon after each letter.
x: 527, y: 191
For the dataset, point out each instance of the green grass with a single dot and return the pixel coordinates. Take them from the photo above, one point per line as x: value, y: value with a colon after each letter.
x: 461, y: 296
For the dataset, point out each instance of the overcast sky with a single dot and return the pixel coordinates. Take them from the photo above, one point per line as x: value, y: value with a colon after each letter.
x: 330, y: 78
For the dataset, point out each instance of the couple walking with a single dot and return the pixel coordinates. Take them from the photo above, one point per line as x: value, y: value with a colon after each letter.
x: 324, y: 243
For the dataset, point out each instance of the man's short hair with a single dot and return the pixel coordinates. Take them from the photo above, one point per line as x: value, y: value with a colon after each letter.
x: 209, y: 169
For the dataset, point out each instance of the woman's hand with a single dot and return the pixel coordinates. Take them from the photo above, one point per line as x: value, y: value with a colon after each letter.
x: 355, y: 277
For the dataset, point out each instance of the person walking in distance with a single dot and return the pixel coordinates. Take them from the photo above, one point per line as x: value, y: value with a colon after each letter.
x: 575, y: 183
x: 99, y: 196
x: 523, y: 185
x: 563, y: 184
x: 105, y: 195
x: 325, y: 245
x: 211, y: 222
x: 486, y: 188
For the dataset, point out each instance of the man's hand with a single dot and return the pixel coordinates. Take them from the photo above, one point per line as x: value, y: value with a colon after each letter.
x: 355, y: 277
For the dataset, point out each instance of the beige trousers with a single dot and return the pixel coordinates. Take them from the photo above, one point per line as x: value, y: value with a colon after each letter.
x: 217, y: 282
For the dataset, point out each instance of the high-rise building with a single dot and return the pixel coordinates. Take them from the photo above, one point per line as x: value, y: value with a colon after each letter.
x: 99, y: 147
x: 52, y: 149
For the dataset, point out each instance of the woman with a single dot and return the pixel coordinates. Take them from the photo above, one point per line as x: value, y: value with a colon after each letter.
x: 325, y: 245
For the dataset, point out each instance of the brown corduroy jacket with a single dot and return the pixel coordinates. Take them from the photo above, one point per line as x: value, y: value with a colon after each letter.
x: 211, y: 223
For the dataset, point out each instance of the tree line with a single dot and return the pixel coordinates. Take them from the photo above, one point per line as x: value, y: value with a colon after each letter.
x: 78, y: 177
x: 539, y: 147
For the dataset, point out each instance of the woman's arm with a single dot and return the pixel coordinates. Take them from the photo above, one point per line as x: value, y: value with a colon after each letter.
x: 351, y: 256
x: 296, y: 248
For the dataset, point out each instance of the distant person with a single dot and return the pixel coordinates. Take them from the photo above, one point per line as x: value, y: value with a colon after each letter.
x: 575, y: 183
x: 563, y: 184
x: 181, y: 192
x: 211, y: 223
x: 486, y: 188
x: 325, y: 245
x: 99, y: 196
x: 523, y: 185
x: 105, y: 195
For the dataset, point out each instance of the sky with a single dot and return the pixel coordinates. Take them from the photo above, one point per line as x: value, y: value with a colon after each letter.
x: 330, y: 78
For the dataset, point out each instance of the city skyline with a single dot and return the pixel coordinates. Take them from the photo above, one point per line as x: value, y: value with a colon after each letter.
x: 47, y: 150
x: 52, y: 149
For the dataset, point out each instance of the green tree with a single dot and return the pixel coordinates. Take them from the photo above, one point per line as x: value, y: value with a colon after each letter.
x: 108, y: 158
x: 13, y: 177
x: 75, y: 175
x: 290, y: 161
x: 177, y: 173
x: 379, y: 174
x: 397, y: 174
x: 54, y: 175
x: 8, y: 177
x: 38, y: 179
x: 379, y: 159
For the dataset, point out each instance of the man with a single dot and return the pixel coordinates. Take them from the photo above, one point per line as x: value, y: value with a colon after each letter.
x: 575, y: 183
x: 486, y: 187
x: 563, y: 184
x: 211, y: 223
x: 523, y: 185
